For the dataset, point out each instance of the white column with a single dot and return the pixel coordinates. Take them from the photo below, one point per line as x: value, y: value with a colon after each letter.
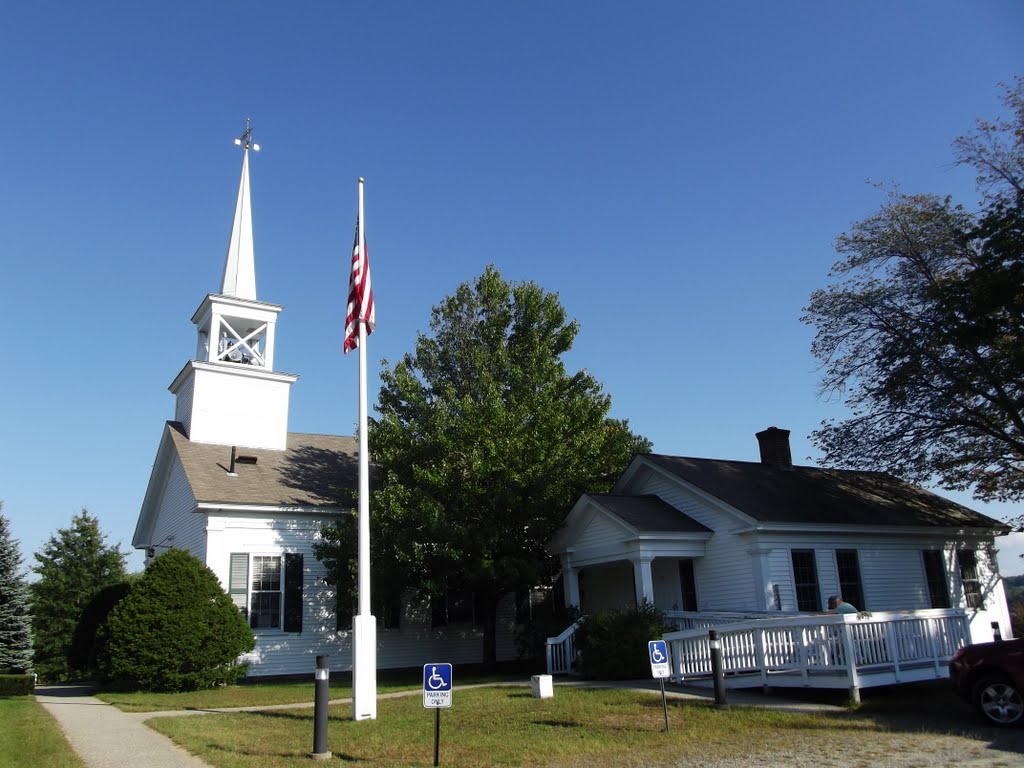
x: 643, y: 579
x: 764, y: 595
x: 268, y: 346
x: 571, y: 583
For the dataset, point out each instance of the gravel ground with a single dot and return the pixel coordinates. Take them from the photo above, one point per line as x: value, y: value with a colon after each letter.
x: 894, y: 750
x: 956, y: 738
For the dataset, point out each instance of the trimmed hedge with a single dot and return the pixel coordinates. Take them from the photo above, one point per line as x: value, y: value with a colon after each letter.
x: 17, y: 685
x: 176, y: 630
x: 612, y: 645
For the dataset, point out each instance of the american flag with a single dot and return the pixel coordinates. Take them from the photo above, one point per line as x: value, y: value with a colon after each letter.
x: 360, y: 296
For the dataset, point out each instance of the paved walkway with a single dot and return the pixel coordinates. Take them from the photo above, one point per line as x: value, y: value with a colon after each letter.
x: 105, y: 737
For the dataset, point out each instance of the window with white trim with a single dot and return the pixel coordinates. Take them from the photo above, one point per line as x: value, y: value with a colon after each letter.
x: 265, y: 593
x: 935, y: 575
x: 268, y: 589
x: 968, y: 560
x: 805, y: 580
x: 851, y: 589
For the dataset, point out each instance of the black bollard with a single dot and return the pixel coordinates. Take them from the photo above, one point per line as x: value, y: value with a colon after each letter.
x: 716, y: 668
x: 321, y: 697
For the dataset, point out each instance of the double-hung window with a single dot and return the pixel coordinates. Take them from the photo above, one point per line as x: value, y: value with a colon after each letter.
x: 935, y: 575
x: 850, y: 587
x: 265, y: 595
x: 805, y: 580
x: 968, y: 560
x: 268, y: 589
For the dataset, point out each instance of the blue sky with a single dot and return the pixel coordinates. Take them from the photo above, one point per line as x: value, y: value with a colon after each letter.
x: 676, y: 172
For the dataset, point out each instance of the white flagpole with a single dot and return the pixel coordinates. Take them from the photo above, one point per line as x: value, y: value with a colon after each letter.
x: 364, y: 625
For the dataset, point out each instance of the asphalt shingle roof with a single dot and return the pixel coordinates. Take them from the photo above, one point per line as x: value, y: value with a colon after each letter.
x: 811, y: 495
x: 648, y: 513
x: 313, y: 471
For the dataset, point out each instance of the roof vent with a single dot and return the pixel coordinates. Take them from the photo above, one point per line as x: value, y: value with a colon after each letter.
x: 237, y: 458
x: 774, y: 445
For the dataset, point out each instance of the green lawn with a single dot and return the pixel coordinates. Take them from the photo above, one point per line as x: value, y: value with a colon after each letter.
x: 254, y: 695
x: 30, y: 737
x: 506, y: 726
x: 262, y: 694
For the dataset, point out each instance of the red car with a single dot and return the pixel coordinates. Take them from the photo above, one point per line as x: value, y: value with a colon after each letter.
x: 991, y: 676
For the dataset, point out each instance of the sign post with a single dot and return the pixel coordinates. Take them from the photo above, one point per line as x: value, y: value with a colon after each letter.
x: 657, y: 651
x: 437, y: 695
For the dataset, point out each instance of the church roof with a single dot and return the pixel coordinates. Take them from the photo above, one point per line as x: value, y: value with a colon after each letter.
x: 313, y: 471
x: 812, y: 495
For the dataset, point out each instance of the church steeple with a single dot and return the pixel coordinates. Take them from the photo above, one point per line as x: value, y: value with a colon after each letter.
x: 240, y: 262
x: 229, y: 393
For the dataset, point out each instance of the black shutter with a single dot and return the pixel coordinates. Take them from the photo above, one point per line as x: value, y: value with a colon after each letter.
x: 292, y: 593
x: 438, y: 611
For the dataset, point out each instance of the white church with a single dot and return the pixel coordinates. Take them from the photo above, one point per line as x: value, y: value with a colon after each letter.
x: 234, y: 487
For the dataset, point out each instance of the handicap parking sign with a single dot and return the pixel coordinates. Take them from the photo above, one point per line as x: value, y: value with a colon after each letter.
x: 657, y: 650
x: 437, y: 685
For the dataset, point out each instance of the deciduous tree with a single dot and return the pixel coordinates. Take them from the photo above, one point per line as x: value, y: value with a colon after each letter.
x: 484, y: 441
x: 922, y: 334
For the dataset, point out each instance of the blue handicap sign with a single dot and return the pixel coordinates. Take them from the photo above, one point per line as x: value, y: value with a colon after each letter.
x: 437, y: 685
x: 657, y: 650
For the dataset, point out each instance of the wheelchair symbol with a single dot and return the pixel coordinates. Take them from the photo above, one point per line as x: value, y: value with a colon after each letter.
x: 657, y: 656
x: 435, y: 682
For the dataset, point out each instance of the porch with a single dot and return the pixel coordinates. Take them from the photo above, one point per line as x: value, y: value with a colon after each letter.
x: 804, y: 650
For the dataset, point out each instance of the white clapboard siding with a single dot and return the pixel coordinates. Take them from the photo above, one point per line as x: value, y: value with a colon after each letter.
x: 893, y: 579
x: 183, y: 403
x: 290, y: 653
x: 177, y: 525
x: 724, y: 576
x: 600, y: 533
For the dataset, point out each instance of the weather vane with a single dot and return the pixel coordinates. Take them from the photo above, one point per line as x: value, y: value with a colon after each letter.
x: 245, y: 140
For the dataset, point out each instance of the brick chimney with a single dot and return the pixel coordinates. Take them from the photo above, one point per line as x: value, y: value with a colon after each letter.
x: 774, y: 445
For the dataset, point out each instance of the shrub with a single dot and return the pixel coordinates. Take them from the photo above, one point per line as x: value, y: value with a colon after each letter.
x: 612, y: 645
x: 176, y: 630
x: 17, y: 685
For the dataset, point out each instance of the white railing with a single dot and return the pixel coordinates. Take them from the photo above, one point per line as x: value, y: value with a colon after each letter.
x: 903, y: 646
x: 560, y: 651
x: 764, y: 645
x: 711, y: 619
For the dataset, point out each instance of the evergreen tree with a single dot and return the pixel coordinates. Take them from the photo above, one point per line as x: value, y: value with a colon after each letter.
x: 15, y: 627
x: 73, y: 566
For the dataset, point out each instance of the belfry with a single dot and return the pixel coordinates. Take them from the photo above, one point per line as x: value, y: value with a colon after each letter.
x: 229, y: 393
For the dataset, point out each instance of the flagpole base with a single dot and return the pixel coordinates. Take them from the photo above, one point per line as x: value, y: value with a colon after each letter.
x: 364, y: 667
